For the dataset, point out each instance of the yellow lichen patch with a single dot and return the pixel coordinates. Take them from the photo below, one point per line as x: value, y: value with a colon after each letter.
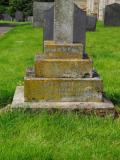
x: 63, y: 89
x: 63, y: 68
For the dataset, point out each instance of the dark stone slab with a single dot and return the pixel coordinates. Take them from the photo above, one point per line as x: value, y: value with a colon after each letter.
x: 79, y: 29
x: 91, y: 23
x: 19, y: 16
x: 112, y: 15
x: 49, y: 24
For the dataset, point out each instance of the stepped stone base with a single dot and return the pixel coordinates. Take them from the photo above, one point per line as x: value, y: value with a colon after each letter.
x: 99, y: 108
x: 63, y: 89
x: 63, y: 68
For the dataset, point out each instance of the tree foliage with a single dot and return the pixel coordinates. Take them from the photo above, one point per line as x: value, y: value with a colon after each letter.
x: 26, y: 6
x: 4, y: 4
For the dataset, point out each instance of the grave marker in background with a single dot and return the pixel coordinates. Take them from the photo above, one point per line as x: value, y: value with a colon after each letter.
x: 19, y: 16
x: 38, y: 12
x: 112, y: 15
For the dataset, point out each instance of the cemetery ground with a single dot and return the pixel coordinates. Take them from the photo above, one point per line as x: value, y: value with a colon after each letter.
x: 43, y: 136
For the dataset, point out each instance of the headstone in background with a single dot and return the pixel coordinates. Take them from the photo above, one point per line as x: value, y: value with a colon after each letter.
x: 19, y: 17
x: 91, y: 22
x: 30, y: 19
x: 38, y: 12
x: 7, y: 17
x: 112, y: 15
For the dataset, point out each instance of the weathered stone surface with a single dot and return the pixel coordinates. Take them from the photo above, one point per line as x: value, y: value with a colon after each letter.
x: 91, y: 23
x: 38, y: 12
x: 112, y: 15
x: 100, y: 108
x: 63, y: 21
x: 63, y: 68
x: 53, y: 50
x: 63, y: 89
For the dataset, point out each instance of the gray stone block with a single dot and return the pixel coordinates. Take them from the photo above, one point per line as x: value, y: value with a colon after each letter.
x: 19, y: 17
x: 30, y: 19
x: 38, y: 12
x: 63, y: 21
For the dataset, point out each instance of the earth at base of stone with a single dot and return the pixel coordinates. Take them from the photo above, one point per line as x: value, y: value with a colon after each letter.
x: 112, y: 15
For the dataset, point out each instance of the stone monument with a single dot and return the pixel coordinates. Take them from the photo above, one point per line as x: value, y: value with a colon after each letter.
x: 112, y: 15
x: 62, y: 78
x: 19, y: 16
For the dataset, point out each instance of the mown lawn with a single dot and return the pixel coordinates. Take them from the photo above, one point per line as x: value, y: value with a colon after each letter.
x: 43, y: 136
x: 17, y: 51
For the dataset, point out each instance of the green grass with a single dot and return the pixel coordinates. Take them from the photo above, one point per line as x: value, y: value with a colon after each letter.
x: 12, y: 23
x: 43, y: 136
x: 17, y: 51
x: 30, y: 136
x: 104, y: 47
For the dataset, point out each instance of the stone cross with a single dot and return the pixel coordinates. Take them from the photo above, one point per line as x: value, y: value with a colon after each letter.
x: 63, y: 21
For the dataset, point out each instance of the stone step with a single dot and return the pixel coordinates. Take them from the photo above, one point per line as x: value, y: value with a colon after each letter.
x: 63, y: 89
x: 98, y: 108
x: 63, y: 68
x: 53, y: 50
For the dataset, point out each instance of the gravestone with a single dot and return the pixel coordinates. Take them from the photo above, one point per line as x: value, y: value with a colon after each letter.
x: 30, y: 19
x: 19, y: 16
x: 38, y: 12
x: 79, y: 25
x: 61, y: 78
x: 91, y: 22
x: 112, y: 15
x: 7, y: 17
